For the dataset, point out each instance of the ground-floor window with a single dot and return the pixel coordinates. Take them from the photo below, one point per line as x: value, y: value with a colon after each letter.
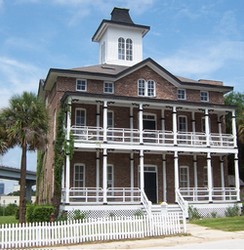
x: 79, y: 175
x: 184, y: 176
x: 110, y: 176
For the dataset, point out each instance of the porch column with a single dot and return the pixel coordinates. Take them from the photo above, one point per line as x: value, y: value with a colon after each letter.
x: 207, y: 129
x: 131, y: 123
x: 193, y: 122
x: 174, y: 125
x: 98, y: 115
x: 97, y: 168
x: 234, y: 133
x: 105, y: 120
x: 142, y: 170
x: 67, y: 157
x: 131, y: 169
x: 105, y: 176
x: 222, y: 173
x: 141, y: 122
x: 176, y: 170
x: 162, y: 120
x: 164, y: 178
x: 195, y: 171
x: 210, y: 177
x: 237, y: 178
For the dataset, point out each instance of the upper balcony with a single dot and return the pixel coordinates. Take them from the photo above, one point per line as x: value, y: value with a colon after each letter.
x: 151, y: 138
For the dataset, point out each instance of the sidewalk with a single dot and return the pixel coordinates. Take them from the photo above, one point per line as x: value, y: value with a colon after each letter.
x: 196, y: 234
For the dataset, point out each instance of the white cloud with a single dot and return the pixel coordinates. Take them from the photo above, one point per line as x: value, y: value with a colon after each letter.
x: 204, y: 58
x: 16, y: 77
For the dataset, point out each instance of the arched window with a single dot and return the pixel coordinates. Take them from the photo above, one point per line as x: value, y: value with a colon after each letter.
x: 128, y: 49
x: 121, y: 48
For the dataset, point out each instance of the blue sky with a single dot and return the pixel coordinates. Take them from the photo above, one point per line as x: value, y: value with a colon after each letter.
x: 198, y: 39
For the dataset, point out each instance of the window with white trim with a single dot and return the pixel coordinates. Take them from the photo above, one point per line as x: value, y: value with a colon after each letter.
x: 108, y: 87
x: 80, y: 117
x: 81, y: 85
x: 205, y: 176
x: 181, y: 94
x: 79, y: 175
x: 182, y: 123
x: 128, y: 49
x: 184, y: 176
x: 146, y: 88
x: 110, y: 176
x: 121, y: 48
x: 204, y: 96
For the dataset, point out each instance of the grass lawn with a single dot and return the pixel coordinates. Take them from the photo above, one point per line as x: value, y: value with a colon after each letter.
x: 224, y: 224
x: 8, y: 219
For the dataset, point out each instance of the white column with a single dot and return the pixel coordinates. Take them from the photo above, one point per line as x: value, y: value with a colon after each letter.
x: 98, y: 115
x: 97, y: 168
x: 195, y: 171
x: 193, y: 121
x: 131, y: 123
x: 164, y: 178
x: 141, y: 123
x: 237, y: 178
x: 176, y: 170
x: 207, y: 128
x: 132, y: 170
x: 162, y: 120
x: 105, y: 120
x: 67, y: 160
x: 141, y: 170
x: 210, y: 177
x: 105, y: 176
x: 234, y: 133
x: 174, y: 114
x: 222, y: 173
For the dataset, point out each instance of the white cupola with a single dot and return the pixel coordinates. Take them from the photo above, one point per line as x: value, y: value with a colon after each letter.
x: 120, y: 40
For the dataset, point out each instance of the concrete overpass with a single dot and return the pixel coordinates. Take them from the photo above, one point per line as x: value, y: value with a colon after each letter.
x: 9, y: 173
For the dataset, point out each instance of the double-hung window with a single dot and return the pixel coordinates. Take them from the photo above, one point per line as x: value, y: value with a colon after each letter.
x: 80, y: 117
x: 128, y: 49
x: 204, y: 96
x: 181, y: 94
x: 146, y: 88
x: 121, y: 48
x: 79, y: 175
x: 125, y: 49
x: 108, y: 87
x: 184, y: 176
x: 81, y: 85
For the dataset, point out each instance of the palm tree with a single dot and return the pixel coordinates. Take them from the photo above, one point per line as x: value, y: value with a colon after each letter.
x: 26, y: 123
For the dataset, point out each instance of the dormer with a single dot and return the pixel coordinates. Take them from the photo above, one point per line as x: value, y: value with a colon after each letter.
x: 120, y: 39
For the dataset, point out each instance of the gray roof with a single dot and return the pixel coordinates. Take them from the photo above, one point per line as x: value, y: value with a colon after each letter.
x: 121, y: 15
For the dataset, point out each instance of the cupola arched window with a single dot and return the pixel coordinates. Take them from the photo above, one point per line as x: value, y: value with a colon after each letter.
x: 128, y: 49
x: 121, y: 48
x: 125, y: 49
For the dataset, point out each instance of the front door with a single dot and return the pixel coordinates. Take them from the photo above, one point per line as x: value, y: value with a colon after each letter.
x: 150, y: 183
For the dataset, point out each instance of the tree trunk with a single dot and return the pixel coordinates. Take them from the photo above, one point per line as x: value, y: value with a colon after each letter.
x: 22, y: 198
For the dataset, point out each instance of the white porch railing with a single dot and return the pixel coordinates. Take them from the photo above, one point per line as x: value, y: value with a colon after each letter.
x: 182, y: 203
x: 154, y: 137
x: 201, y: 195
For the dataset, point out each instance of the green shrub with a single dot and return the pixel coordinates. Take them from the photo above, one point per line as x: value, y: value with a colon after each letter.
x: 138, y: 213
x: 193, y: 213
x: 232, y: 211
x: 78, y: 215
x: 214, y: 214
x: 38, y: 213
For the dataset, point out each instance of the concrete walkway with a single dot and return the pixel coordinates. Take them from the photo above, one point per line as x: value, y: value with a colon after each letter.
x: 196, y: 234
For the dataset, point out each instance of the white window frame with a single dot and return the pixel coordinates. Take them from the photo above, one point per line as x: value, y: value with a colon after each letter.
x: 181, y: 94
x: 144, y: 88
x: 204, y: 96
x: 129, y: 49
x: 110, y: 176
x: 75, y: 181
x: 108, y: 87
x: 186, y: 123
x: 84, y: 83
x: 80, y: 109
x: 121, y: 48
x: 184, y: 183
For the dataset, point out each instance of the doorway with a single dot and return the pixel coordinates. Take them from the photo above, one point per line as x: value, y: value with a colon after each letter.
x: 150, y: 183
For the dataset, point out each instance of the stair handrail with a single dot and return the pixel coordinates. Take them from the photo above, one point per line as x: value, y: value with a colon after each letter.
x: 182, y: 203
x: 146, y: 203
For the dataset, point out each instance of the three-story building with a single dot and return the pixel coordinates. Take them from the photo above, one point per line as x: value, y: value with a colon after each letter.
x: 141, y: 135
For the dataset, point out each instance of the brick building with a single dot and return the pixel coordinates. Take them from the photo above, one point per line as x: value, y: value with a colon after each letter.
x: 141, y: 135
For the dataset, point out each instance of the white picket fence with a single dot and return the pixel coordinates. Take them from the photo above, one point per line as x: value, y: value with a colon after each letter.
x: 89, y: 230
